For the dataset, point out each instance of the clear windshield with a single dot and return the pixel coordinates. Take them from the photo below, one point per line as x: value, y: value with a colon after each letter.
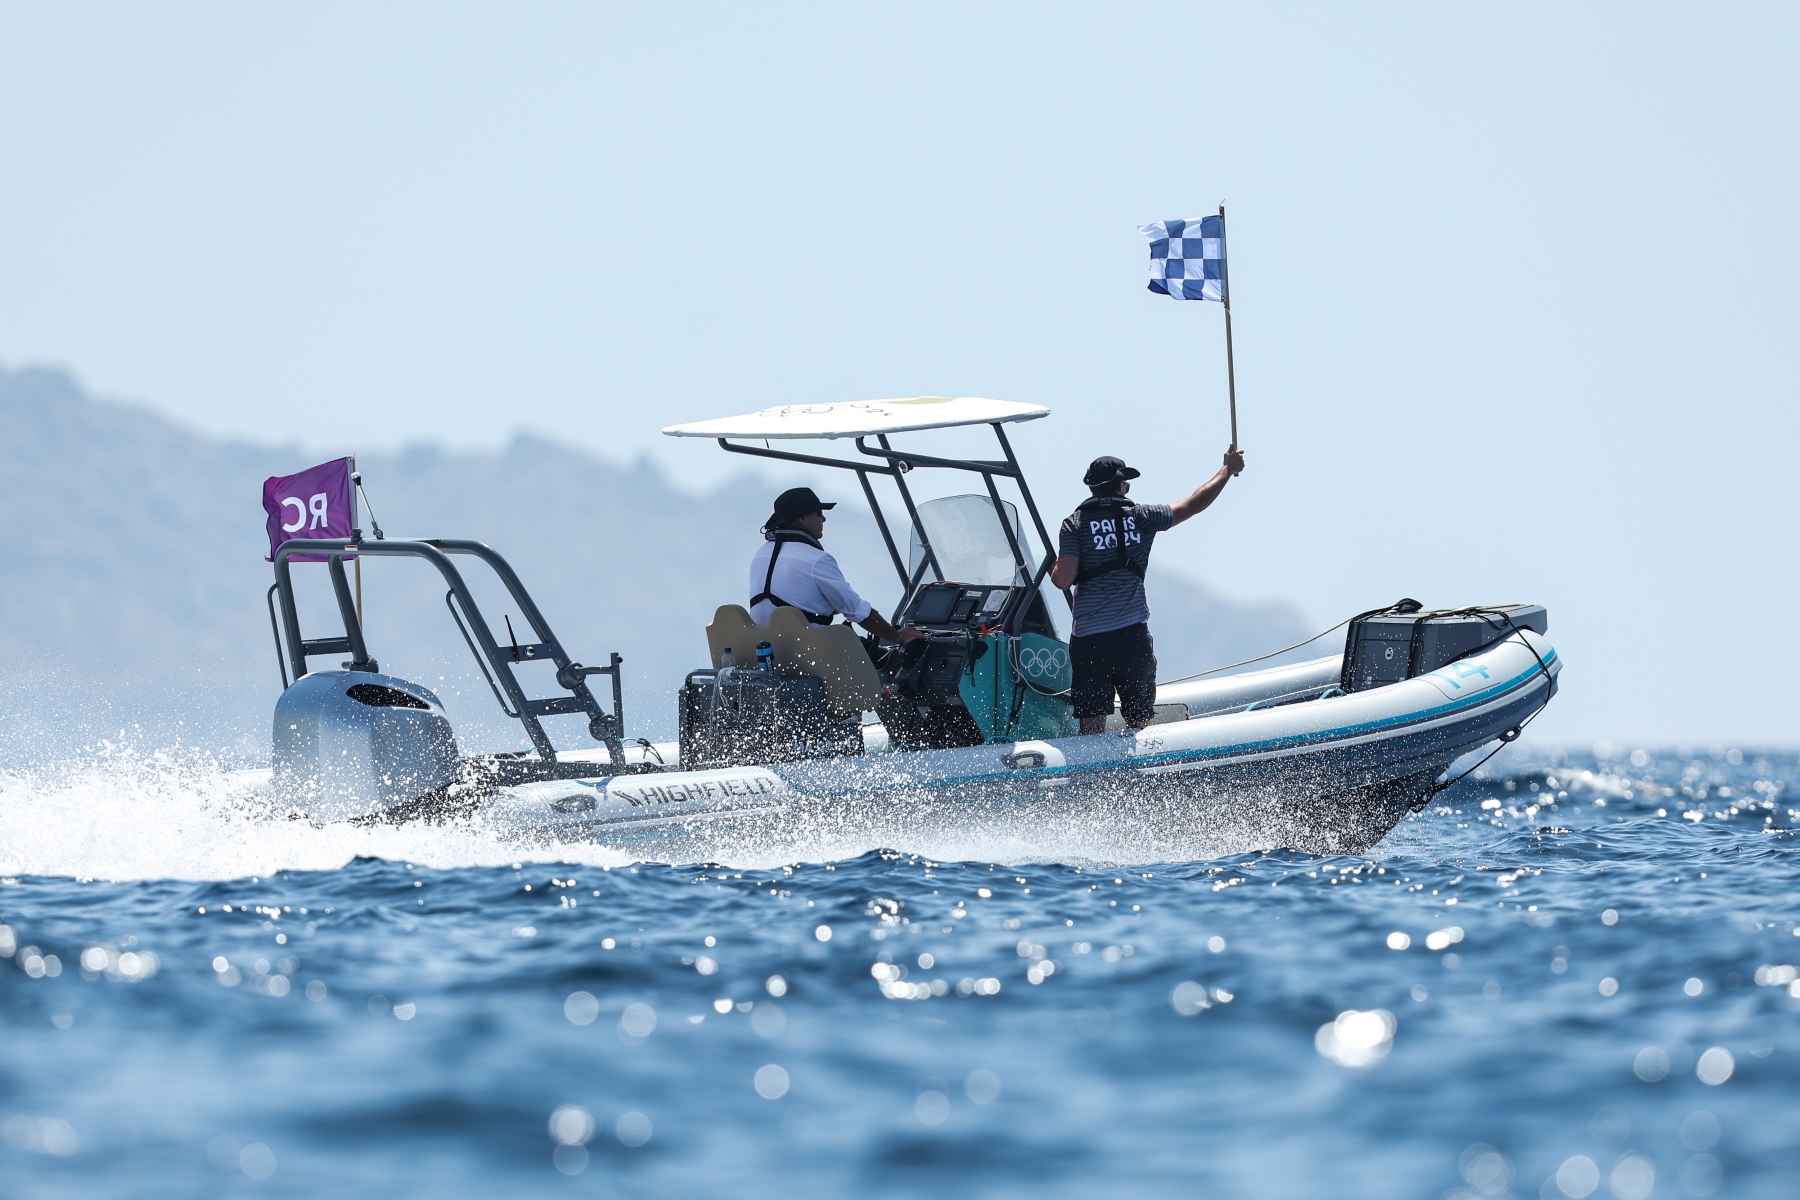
x: 969, y: 541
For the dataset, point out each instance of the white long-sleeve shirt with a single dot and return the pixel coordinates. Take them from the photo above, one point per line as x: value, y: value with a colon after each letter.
x: 805, y: 577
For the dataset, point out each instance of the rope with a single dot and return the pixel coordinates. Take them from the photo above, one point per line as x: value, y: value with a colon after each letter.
x: 1511, y: 735
x: 1409, y: 605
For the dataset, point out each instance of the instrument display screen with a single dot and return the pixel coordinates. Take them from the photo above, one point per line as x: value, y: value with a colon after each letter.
x: 933, y: 604
x: 957, y: 604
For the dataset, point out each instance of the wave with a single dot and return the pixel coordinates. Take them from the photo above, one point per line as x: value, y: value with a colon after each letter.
x: 120, y: 813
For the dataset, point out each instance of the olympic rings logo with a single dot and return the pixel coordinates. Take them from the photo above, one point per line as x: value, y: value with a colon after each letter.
x: 1040, y: 662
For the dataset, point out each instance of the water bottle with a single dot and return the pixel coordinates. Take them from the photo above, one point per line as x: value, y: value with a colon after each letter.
x: 765, y: 656
x: 727, y: 659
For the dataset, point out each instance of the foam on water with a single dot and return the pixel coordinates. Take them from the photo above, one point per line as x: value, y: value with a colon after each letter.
x: 120, y: 813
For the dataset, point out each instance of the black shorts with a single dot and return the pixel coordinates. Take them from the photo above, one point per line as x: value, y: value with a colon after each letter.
x: 1122, y: 661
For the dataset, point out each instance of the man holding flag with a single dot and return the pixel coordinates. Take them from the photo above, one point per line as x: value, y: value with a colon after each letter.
x: 1102, y: 552
x: 1104, y: 545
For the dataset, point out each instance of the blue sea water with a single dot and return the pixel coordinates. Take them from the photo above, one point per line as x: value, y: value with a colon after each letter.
x: 1569, y: 977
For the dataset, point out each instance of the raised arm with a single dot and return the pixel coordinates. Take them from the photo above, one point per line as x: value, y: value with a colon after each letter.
x: 1209, y: 491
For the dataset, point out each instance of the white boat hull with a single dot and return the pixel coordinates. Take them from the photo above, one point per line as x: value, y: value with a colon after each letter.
x: 1328, y: 774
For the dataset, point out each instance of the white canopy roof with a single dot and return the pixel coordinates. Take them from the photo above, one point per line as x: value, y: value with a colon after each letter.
x: 861, y: 418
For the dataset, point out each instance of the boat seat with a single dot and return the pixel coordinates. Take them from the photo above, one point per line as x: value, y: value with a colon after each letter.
x: 830, y: 653
x: 732, y: 628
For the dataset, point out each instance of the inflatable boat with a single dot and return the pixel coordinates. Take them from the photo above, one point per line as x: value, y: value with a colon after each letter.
x: 794, y: 734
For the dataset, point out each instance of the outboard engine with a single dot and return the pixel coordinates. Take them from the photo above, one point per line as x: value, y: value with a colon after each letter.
x: 351, y: 743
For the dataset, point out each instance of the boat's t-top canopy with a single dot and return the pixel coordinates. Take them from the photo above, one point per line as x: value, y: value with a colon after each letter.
x: 862, y: 420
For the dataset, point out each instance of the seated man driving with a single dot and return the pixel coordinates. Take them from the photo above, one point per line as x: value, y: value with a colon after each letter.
x: 791, y: 568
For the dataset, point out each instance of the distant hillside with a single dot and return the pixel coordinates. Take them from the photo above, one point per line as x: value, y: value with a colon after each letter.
x: 132, y: 577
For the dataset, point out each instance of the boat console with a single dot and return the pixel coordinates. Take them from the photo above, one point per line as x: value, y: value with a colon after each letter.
x: 943, y: 690
x: 948, y: 608
x: 945, y: 607
x: 922, y: 704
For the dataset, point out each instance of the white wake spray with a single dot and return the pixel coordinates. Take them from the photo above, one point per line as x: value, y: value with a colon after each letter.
x: 119, y: 813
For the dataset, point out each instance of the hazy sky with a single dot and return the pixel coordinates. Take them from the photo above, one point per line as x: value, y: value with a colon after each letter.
x: 1514, y: 286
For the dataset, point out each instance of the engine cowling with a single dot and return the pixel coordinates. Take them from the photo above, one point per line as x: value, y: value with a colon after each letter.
x: 352, y: 743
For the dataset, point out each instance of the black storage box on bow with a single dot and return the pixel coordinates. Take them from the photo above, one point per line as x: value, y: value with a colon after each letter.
x: 736, y: 715
x: 1401, y: 642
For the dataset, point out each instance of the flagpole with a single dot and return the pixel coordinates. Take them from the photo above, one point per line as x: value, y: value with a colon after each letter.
x: 356, y: 517
x: 1225, y: 296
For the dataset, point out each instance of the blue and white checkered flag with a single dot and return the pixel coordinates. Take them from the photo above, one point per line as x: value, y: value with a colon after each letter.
x: 1187, y: 258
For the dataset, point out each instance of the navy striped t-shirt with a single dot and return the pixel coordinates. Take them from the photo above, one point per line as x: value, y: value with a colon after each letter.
x: 1093, y: 533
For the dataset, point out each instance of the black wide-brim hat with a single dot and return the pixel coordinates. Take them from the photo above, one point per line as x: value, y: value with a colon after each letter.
x: 1107, y: 469
x: 795, y: 502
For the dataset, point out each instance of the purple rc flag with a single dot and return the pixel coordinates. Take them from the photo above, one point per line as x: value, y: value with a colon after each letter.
x: 313, y: 504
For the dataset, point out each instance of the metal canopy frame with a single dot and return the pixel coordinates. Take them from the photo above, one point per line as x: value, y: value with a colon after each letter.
x: 605, y: 727
x: 896, y: 464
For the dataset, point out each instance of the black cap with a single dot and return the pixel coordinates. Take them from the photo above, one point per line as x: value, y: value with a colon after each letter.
x: 795, y: 502
x: 1107, y: 470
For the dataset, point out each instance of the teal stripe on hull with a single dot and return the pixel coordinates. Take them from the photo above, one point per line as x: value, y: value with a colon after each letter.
x: 1320, y: 740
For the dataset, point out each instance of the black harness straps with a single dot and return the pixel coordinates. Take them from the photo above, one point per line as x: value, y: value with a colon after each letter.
x: 781, y: 537
x: 1121, y: 560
